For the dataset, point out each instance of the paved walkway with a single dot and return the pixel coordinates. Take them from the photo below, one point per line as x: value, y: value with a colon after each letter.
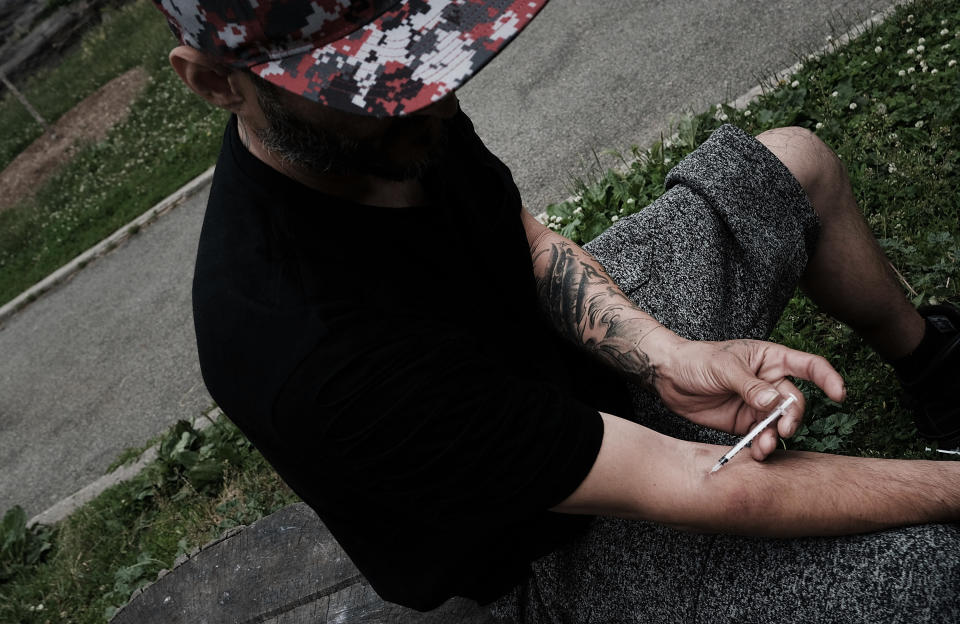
x: 108, y: 360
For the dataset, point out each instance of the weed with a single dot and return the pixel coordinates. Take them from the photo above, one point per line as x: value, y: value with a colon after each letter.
x: 203, y: 482
x: 21, y: 547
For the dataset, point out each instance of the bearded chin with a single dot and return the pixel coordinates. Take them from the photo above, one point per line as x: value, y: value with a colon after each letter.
x: 312, y: 149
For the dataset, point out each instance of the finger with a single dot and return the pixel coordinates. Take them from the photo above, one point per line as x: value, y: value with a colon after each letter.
x: 816, y: 369
x: 764, y: 444
x: 757, y: 393
x: 789, y: 422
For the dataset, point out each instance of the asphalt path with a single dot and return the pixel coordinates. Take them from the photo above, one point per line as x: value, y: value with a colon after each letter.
x: 107, y: 360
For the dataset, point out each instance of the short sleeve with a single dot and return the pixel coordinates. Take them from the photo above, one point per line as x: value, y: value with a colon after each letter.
x: 413, y: 418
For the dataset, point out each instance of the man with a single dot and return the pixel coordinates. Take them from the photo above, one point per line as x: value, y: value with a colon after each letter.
x: 458, y: 391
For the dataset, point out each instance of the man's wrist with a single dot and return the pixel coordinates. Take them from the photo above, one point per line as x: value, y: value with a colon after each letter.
x: 655, y: 347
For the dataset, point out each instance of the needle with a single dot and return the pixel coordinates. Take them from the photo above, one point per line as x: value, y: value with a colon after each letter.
x: 747, y: 439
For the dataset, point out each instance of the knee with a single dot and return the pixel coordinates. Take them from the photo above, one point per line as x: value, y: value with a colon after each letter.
x: 815, y: 166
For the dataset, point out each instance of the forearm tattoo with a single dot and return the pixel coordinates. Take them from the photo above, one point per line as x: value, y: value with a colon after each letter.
x: 586, y: 307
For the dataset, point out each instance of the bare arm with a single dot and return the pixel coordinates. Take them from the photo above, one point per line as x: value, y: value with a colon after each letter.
x: 645, y: 475
x: 588, y: 308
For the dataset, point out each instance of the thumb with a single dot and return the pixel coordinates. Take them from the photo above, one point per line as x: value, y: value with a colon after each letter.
x: 755, y: 392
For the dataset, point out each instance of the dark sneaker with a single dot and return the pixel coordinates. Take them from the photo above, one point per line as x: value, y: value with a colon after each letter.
x: 933, y: 389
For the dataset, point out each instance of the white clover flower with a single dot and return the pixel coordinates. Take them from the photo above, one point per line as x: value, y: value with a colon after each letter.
x: 911, y: 52
x: 724, y: 117
x: 878, y: 49
x: 799, y: 66
x: 667, y: 161
x: 945, y: 46
x: 614, y: 219
x: 795, y: 84
x: 933, y: 71
x: 910, y: 18
x: 919, y: 124
x: 951, y: 62
x: 578, y: 210
x: 747, y: 113
x: 879, y: 39
x: 853, y: 106
x: 911, y: 70
x: 892, y: 168
x: 943, y: 22
x: 819, y: 125
x: 921, y: 48
x: 921, y: 40
x: 631, y: 201
x: 835, y: 94
x: 902, y: 73
x: 945, y: 31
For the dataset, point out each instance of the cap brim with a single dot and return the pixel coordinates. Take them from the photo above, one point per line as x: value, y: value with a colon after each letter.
x: 406, y: 59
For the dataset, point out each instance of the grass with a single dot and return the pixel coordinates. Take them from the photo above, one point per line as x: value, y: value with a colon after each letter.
x: 889, y: 104
x: 204, y: 483
x: 169, y: 137
x: 902, y: 148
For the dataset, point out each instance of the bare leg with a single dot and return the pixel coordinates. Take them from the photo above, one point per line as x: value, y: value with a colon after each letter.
x: 848, y: 275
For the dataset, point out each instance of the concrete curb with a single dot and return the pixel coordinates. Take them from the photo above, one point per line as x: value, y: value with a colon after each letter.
x: 68, y: 270
x: 84, y: 495
x: 832, y: 44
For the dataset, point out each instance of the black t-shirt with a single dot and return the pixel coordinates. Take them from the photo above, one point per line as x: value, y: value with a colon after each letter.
x: 393, y: 365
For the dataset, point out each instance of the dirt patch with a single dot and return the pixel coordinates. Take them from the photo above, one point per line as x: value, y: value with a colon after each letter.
x: 88, y: 121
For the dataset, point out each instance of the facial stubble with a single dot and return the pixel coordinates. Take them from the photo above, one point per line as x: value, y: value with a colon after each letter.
x: 310, y: 147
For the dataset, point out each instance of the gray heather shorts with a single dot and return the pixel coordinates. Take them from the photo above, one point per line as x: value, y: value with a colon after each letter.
x: 717, y: 257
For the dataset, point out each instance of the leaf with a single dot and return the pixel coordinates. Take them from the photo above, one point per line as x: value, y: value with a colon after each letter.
x: 205, y: 473
x: 13, y: 529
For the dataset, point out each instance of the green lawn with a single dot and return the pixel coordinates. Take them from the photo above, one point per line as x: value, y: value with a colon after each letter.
x: 900, y: 143
x: 169, y: 137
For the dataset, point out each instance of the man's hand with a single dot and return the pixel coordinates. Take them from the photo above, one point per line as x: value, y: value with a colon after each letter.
x: 733, y: 385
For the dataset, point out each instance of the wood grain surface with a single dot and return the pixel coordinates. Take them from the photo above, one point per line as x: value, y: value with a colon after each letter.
x: 284, y: 569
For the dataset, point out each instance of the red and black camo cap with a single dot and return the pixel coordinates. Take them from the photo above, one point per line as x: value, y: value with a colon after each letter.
x: 374, y: 57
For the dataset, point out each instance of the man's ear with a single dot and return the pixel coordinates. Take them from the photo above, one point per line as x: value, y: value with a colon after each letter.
x: 207, y: 78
